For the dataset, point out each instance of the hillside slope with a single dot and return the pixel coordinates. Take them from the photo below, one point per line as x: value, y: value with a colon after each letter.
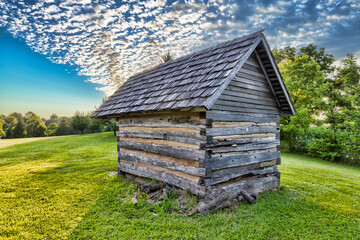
x: 60, y: 188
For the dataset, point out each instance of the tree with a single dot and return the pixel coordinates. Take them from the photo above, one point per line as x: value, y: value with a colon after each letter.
x: 306, y: 84
x: 344, y: 95
x: 325, y: 61
x: 35, y: 127
x: 51, y: 129
x: 80, y: 122
x: 63, y: 129
x: 284, y: 54
x: 111, y: 125
x: 95, y: 125
x: 19, y: 130
x: 53, y: 119
x: 2, y: 121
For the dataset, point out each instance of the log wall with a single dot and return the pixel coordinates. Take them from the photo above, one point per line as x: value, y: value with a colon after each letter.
x: 168, y: 147
x: 243, y: 135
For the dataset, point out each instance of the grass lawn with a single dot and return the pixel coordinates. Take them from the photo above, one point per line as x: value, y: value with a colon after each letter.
x: 59, y: 188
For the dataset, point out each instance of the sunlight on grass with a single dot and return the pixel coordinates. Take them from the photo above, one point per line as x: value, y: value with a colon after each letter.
x: 59, y: 188
x: 9, y: 142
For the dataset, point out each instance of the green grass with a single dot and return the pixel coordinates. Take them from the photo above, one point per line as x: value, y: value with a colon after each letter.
x: 60, y: 188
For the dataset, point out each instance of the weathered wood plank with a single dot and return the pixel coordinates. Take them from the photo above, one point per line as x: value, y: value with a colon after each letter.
x: 225, y: 116
x: 164, y: 164
x: 242, y: 95
x: 249, y: 92
x: 162, y: 129
x: 237, y: 98
x: 176, y: 152
x: 235, y: 160
x: 164, y: 114
x: 225, y: 175
x: 243, y: 147
x: 181, y: 161
x: 249, y: 86
x: 191, y: 138
x: 226, y: 142
x: 178, y: 122
x: 254, y: 106
x: 161, y: 142
x: 162, y: 176
x: 243, y: 109
x: 241, y: 124
x: 256, y: 185
x: 240, y: 130
x: 254, y: 135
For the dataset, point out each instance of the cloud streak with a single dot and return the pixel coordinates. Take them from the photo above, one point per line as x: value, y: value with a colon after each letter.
x: 108, y: 41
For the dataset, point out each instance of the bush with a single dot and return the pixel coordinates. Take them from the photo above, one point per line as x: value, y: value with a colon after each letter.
x: 332, y: 145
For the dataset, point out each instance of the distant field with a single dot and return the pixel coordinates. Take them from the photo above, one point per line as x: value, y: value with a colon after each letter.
x: 59, y: 187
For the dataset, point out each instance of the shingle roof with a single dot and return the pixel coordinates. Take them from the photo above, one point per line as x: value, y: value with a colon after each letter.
x: 195, y: 80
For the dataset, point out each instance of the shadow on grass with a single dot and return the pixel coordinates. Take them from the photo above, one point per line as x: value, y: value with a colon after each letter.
x: 283, y: 215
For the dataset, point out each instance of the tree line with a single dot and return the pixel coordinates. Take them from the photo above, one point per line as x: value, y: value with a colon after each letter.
x: 16, y: 125
x: 327, y: 99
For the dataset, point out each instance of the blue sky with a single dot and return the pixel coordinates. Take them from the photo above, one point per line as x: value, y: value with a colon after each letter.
x: 62, y: 56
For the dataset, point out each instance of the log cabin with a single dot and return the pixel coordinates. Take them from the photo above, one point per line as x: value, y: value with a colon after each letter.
x: 207, y: 122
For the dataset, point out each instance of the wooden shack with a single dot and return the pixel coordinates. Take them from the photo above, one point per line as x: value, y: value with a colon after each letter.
x: 207, y: 122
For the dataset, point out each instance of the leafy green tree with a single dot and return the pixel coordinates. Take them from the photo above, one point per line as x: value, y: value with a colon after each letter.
x: 51, y: 129
x: 53, y: 119
x: 35, y: 127
x: 284, y: 54
x: 80, y: 122
x: 64, y: 128
x: 111, y: 125
x: 11, y: 121
x: 306, y: 84
x: 95, y: 125
x: 9, y: 133
x: 19, y: 130
x: 343, y: 96
x: 17, y: 115
x: 325, y: 60
x: 2, y: 121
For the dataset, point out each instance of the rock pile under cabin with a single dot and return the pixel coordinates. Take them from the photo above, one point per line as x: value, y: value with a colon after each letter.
x: 207, y: 122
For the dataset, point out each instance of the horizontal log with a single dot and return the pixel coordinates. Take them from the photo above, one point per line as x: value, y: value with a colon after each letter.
x: 181, y: 161
x: 225, y: 116
x: 255, y: 185
x: 164, y: 129
x: 255, y: 135
x: 131, y: 157
x: 243, y: 147
x: 191, y: 138
x: 241, y: 124
x: 178, y: 122
x: 176, y: 152
x: 243, y: 109
x: 222, y: 161
x: 189, y: 177
x: 164, y: 115
x: 162, y: 176
x: 226, y: 142
x: 240, y: 130
x: 161, y: 142
x: 225, y: 175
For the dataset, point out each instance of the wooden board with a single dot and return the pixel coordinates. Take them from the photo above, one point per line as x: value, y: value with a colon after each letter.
x: 162, y: 176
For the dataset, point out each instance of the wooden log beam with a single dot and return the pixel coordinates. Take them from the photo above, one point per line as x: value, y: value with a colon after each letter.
x: 236, y: 160
x: 177, y: 152
x: 240, y: 130
x: 191, y: 138
x: 224, y: 175
x: 225, y: 116
x: 243, y: 147
x: 162, y: 176
x: 161, y: 142
x: 255, y: 185
x: 132, y: 157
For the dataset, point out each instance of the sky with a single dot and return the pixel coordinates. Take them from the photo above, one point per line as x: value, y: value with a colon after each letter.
x: 66, y: 55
